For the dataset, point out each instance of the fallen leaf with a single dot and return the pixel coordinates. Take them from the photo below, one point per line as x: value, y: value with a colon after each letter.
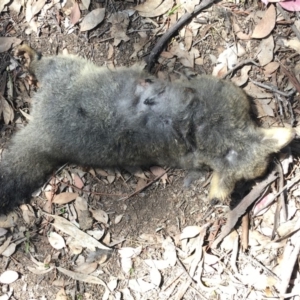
x: 266, y: 24
x: 188, y: 5
x: 241, y: 80
x: 3, y: 3
x: 266, y: 51
x: 9, y: 277
x: 61, y: 295
x: 140, y: 285
x: 100, y: 215
x: 292, y: 43
x: 75, y: 14
x: 292, y: 5
x: 6, y: 110
x: 271, y: 68
x: 92, y: 19
x: 239, y: 33
x: 82, y: 277
x: 7, y: 42
x: 118, y: 219
x: 86, y: 268
x: 64, y: 198
x: 56, y: 241
x: 120, y: 22
x: 33, y: 7
x: 165, y: 6
x: 148, y: 5
x: 82, y: 238
x: 155, y: 276
x: 86, y: 3
x: 190, y: 232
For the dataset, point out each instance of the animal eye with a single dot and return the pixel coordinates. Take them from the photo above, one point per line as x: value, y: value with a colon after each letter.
x: 148, y: 80
x: 149, y: 101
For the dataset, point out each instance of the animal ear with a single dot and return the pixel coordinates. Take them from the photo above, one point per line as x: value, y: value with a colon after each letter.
x: 280, y: 136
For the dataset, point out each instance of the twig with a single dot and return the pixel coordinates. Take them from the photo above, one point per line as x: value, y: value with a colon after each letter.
x: 272, y: 88
x: 169, y: 33
x: 148, y: 184
x: 280, y: 203
x: 241, y: 64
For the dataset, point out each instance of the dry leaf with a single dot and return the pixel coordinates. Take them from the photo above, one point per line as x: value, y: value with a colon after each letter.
x: 292, y: 43
x: 75, y: 14
x: 64, y: 198
x: 239, y: 81
x: 188, y: 5
x: 86, y: 268
x: 86, y: 3
x: 9, y: 277
x: 190, y: 232
x: 82, y: 238
x: 9, y: 250
x: 82, y: 277
x: 266, y: 25
x: 33, y: 7
x: 56, y: 241
x: 271, y: 68
x: 6, y: 110
x: 3, y: 3
x: 148, y: 5
x: 120, y: 22
x: 239, y: 33
x: 92, y: 19
x: 165, y: 6
x: 7, y: 42
x: 188, y: 38
x: 140, y: 285
x: 100, y: 215
x: 118, y: 219
x: 155, y: 276
x: 265, y: 51
x: 61, y: 295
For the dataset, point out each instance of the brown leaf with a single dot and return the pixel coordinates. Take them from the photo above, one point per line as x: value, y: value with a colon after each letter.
x: 241, y: 35
x: 266, y: 24
x: 243, y: 78
x: 148, y: 5
x: 77, y: 181
x: 120, y: 22
x: 33, y: 7
x: 75, y: 14
x: 188, y: 38
x: 271, y: 67
x: 63, y: 198
x: 3, y: 3
x: 92, y: 19
x: 7, y: 42
x: 158, y: 11
x: 157, y: 171
x: 266, y: 49
x: 6, y: 110
x: 140, y: 184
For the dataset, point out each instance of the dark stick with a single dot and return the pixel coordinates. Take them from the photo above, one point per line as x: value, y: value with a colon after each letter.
x: 151, y: 59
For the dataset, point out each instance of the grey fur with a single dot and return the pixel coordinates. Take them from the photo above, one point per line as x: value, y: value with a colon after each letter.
x: 92, y: 116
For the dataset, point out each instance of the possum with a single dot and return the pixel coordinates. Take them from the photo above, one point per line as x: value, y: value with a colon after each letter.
x: 93, y: 116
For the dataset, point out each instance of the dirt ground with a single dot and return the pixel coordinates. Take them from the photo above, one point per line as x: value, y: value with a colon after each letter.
x: 154, y: 236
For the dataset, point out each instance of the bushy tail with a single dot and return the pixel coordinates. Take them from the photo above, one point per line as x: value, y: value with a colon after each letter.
x: 24, y: 167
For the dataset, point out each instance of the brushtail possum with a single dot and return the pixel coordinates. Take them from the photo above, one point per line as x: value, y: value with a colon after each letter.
x: 93, y: 116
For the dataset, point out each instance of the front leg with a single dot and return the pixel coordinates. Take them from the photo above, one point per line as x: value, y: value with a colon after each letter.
x: 221, y: 187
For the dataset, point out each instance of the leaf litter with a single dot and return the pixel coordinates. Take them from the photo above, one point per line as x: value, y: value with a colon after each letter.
x: 177, y: 262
